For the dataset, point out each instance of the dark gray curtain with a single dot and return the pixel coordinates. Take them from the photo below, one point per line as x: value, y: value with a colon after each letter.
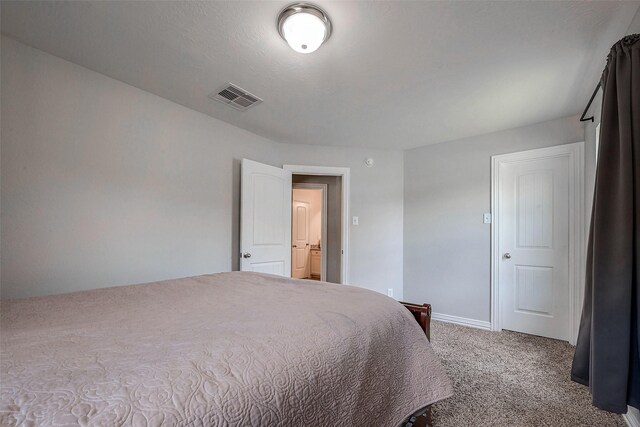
x: 607, y: 357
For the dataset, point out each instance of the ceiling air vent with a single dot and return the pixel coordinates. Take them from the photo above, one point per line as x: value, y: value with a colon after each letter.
x: 235, y: 97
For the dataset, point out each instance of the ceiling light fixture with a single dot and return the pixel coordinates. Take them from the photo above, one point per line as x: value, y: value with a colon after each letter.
x: 304, y: 26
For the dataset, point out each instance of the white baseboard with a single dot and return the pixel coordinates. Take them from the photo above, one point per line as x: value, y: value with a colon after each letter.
x: 479, y: 324
x: 632, y: 417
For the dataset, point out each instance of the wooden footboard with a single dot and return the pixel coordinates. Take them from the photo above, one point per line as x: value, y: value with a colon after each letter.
x: 422, y: 314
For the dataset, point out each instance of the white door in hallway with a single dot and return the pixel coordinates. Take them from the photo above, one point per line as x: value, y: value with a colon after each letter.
x: 534, y: 206
x: 300, y: 239
x: 265, y: 219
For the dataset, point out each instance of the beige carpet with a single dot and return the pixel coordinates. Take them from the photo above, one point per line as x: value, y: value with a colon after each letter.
x: 511, y: 379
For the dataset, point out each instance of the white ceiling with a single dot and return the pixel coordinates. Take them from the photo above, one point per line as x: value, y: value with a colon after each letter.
x: 392, y: 75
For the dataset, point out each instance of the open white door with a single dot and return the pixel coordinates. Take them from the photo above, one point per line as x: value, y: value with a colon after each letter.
x: 265, y: 219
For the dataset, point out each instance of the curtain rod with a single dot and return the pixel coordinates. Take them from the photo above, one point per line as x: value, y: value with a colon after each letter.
x: 582, y: 118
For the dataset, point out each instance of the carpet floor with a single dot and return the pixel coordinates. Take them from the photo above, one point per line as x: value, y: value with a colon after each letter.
x: 511, y: 379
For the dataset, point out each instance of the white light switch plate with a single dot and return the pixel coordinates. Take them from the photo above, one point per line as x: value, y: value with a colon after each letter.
x: 390, y: 292
x: 355, y: 220
x: 486, y: 218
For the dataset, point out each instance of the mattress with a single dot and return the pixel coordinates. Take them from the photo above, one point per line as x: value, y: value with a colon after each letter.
x: 228, y: 349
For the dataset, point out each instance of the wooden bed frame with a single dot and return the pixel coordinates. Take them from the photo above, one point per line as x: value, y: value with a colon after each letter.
x: 422, y: 314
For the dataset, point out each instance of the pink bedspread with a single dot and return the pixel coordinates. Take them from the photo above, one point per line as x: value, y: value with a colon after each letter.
x: 229, y: 349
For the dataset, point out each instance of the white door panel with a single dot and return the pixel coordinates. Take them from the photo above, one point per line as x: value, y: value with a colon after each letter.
x: 275, y: 267
x: 265, y: 219
x: 300, y: 246
x: 534, y: 246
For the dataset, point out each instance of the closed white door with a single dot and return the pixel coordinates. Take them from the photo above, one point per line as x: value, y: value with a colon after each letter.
x: 300, y: 239
x: 265, y: 219
x: 534, y: 197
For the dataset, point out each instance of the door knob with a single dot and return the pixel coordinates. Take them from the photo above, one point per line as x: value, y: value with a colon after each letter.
x: 507, y: 256
x: 246, y: 255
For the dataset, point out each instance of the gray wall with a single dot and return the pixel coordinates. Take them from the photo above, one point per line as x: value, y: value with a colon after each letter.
x: 447, y: 189
x: 634, y: 27
x: 375, y: 245
x: 104, y: 184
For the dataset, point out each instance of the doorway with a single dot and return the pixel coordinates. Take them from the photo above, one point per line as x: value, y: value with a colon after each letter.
x: 266, y: 214
x: 537, y: 241
x: 309, y: 231
x: 334, y: 253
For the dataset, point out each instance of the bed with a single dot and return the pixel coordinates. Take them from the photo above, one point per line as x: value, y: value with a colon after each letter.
x: 228, y: 349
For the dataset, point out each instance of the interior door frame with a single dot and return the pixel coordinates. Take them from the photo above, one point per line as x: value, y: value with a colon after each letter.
x: 323, y: 231
x: 344, y: 173
x: 577, y: 228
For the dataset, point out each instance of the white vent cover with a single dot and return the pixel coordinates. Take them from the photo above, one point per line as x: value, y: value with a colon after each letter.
x: 236, y: 97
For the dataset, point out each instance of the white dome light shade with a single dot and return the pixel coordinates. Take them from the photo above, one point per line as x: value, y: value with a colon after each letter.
x: 304, y: 32
x: 304, y: 27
